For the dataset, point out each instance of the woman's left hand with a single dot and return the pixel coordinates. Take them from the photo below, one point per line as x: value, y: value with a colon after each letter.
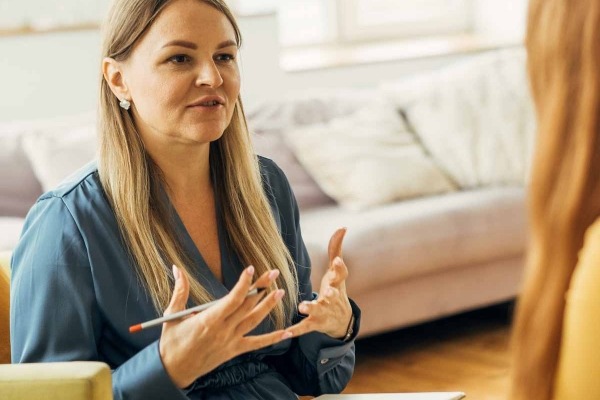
x: 331, y: 312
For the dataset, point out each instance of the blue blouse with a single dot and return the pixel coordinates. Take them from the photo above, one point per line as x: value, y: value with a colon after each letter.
x: 75, y: 293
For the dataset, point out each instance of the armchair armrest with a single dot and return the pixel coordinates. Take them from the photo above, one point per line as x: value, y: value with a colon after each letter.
x: 5, y: 262
x: 4, y: 308
x: 56, y: 381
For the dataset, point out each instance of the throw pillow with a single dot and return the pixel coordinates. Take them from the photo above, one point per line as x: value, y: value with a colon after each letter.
x: 268, y: 119
x: 56, y: 155
x: 19, y: 186
x: 367, y: 158
x: 308, y: 194
x: 475, y: 117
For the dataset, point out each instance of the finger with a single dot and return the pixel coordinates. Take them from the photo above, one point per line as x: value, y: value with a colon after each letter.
x: 259, y: 312
x: 331, y: 294
x: 236, y: 297
x: 301, y: 328
x: 335, y: 244
x: 309, y: 307
x: 264, y: 281
x: 252, y: 343
x: 339, y: 272
x: 181, y: 292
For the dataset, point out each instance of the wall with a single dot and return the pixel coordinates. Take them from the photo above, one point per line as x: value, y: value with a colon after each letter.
x: 496, y: 17
x: 47, y: 75
x: 50, y: 75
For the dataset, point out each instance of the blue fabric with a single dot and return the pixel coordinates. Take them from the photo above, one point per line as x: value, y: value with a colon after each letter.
x: 75, y: 292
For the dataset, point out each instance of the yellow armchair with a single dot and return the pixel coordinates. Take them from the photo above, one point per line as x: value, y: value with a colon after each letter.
x: 48, y: 381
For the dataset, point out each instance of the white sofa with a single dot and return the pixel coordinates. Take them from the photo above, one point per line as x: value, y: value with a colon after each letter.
x: 411, y: 259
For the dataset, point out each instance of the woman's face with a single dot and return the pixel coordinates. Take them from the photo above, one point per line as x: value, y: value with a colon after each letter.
x: 182, y: 76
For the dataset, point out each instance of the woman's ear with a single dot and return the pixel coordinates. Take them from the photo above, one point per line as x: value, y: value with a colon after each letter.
x: 113, y: 74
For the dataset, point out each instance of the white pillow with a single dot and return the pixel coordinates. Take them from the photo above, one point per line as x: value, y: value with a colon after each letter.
x: 475, y: 118
x: 19, y: 187
x: 54, y: 155
x: 367, y: 158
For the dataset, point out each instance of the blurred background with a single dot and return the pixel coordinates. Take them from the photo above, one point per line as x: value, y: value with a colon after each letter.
x: 407, y: 121
x: 49, y: 63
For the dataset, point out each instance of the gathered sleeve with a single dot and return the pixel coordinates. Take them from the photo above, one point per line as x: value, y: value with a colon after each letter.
x: 315, y: 363
x: 54, y: 311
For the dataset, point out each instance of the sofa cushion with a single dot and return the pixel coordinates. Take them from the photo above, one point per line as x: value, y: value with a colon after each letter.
x: 307, y: 192
x: 56, y: 155
x: 267, y: 121
x: 10, y: 232
x: 367, y: 158
x: 410, y: 238
x: 19, y: 187
x: 305, y: 107
x: 15, y: 164
x: 475, y: 117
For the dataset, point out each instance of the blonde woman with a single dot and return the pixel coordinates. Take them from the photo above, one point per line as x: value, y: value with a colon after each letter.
x: 557, y: 327
x: 177, y: 184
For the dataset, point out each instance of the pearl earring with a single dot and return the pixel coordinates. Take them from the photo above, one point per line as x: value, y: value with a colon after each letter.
x: 125, y: 104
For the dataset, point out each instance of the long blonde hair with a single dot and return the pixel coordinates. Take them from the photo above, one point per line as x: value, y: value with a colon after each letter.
x: 133, y: 182
x: 563, y: 40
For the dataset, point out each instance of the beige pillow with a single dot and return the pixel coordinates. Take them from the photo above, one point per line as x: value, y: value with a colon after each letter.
x: 475, y: 117
x: 267, y: 120
x: 54, y: 155
x: 367, y: 158
x: 308, y: 194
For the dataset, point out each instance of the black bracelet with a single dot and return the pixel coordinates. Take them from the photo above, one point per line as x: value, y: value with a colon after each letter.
x: 350, y: 329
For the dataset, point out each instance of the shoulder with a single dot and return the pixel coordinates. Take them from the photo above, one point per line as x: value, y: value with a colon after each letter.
x: 276, y: 185
x: 81, y: 190
x: 586, y: 277
x: 79, y: 194
x: 591, y: 243
x: 271, y: 172
x: 53, y: 226
x: 85, y: 176
x: 593, y: 233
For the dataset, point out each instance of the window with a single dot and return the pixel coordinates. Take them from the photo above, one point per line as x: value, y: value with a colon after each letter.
x: 377, y: 19
x: 306, y: 22
x: 332, y: 33
x: 252, y: 7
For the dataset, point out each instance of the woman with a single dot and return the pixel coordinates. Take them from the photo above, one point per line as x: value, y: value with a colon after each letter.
x: 177, y: 183
x: 555, y: 336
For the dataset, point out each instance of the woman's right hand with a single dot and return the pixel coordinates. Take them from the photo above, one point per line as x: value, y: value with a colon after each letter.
x: 192, y: 347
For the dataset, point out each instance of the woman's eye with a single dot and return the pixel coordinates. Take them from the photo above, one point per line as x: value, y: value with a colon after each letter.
x: 225, y: 57
x: 179, y: 59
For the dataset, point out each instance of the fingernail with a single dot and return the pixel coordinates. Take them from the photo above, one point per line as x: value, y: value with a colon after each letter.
x: 338, y: 261
x: 176, y: 273
x: 329, y: 292
x: 303, y: 308
x: 250, y: 270
x: 273, y: 274
x: 279, y: 294
x: 287, y: 335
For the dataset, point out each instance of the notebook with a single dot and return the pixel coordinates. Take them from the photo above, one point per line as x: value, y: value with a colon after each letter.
x: 396, y: 396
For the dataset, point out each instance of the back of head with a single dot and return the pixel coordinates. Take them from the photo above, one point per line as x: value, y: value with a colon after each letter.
x: 564, y: 198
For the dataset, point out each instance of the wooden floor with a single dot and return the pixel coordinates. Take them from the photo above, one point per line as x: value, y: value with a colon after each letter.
x: 467, y: 353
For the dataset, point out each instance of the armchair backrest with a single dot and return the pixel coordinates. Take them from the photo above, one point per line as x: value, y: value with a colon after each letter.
x: 4, y: 309
x: 72, y: 380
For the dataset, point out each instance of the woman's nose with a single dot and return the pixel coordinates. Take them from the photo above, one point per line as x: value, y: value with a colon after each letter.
x: 209, y: 75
